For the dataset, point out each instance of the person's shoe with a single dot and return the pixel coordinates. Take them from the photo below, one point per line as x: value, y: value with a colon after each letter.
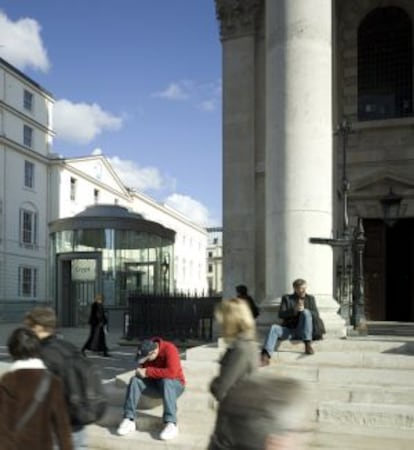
x: 264, y: 359
x: 308, y: 348
x: 126, y: 426
x: 169, y: 432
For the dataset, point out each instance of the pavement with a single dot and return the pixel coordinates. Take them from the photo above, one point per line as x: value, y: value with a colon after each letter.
x: 121, y: 357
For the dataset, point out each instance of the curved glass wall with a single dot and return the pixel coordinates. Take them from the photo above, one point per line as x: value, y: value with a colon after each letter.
x: 108, y: 249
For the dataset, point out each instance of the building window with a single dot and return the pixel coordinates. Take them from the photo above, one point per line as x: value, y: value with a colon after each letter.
x: 210, y: 254
x: 73, y: 189
x: 215, y: 241
x: 96, y: 195
x: 29, y: 174
x: 385, y: 64
x: 28, y: 100
x: 116, y: 201
x: 27, y: 282
x: 28, y: 227
x: 210, y: 268
x: 27, y: 136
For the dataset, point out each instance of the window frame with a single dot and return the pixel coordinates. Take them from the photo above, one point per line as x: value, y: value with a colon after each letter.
x: 27, y: 136
x: 29, y: 178
x: 27, y: 281
x: 73, y: 189
x: 28, y: 98
x: 28, y: 228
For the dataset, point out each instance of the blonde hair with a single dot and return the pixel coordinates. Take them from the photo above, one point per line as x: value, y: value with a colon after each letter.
x: 43, y: 316
x: 235, y: 317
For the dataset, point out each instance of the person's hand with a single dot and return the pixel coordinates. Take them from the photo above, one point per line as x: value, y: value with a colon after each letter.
x: 141, y: 372
x: 300, y: 305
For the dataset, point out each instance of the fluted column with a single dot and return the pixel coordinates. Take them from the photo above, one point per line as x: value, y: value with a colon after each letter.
x: 299, y: 150
x: 238, y: 25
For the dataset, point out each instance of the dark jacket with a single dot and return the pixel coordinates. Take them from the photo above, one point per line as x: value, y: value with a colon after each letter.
x: 290, y: 317
x: 97, y: 320
x: 55, y: 361
x: 167, y: 364
x: 17, y: 389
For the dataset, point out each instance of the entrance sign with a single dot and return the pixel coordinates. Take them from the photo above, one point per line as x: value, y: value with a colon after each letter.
x: 83, y: 269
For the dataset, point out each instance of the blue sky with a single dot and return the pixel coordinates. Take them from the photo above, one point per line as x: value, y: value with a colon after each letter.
x: 138, y: 80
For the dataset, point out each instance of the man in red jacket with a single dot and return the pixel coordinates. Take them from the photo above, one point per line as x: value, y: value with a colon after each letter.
x: 159, y: 369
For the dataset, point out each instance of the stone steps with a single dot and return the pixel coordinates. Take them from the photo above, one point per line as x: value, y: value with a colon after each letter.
x: 362, y: 392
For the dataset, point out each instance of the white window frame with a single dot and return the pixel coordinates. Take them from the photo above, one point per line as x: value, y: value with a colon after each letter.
x: 27, y: 136
x: 28, y: 100
x: 28, y: 227
x: 29, y: 174
x: 27, y: 282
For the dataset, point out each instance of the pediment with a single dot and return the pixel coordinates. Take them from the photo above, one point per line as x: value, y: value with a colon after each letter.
x: 380, y: 183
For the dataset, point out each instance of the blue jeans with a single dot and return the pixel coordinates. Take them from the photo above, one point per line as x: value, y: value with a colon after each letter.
x: 303, y: 332
x: 167, y: 388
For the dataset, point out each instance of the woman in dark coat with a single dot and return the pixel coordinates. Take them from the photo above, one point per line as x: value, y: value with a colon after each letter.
x: 97, y: 320
x: 49, y: 420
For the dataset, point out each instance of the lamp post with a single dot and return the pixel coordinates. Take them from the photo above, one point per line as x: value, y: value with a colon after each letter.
x: 165, y: 269
x: 351, y: 271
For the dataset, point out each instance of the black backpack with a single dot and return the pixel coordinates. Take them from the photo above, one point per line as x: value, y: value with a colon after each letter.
x: 83, y: 388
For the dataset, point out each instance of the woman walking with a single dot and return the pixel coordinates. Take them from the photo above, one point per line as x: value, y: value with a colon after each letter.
x: 26, y: 423
x: 239, y: 361
x: 98, y: 322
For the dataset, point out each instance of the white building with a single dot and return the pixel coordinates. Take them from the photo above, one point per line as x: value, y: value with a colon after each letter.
x: 37, y: 188
x: 215, y: 260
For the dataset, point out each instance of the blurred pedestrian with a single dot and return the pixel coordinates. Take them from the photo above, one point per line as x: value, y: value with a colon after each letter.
x: 241, y: 357
x: 26, y: 423
x: 98, y: 322
x: 264, y: 412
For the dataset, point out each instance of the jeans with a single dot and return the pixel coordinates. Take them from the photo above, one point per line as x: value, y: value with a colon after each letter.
x: 167, y: 388
x: 303, y: 331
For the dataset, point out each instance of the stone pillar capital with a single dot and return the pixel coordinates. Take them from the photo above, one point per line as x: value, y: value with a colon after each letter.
x: 237, y: 17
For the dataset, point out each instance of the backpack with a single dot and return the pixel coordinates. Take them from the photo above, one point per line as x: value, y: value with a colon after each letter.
x: 83, y: 387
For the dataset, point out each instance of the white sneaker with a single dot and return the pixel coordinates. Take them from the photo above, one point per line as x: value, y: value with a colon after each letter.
x: 126, y: 427
x: 169, y: 432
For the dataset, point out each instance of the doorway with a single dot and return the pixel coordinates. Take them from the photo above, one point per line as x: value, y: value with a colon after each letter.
x: 389, y: 270
x: 78, y: 280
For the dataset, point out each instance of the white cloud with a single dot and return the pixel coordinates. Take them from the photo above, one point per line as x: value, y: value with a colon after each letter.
x: 204, y: 96
x: 21, y: 43
x: 80, y: 123
x: 208, y: 105
x: 139, y: 178
x: 190, y: 208
x: 175, y: 91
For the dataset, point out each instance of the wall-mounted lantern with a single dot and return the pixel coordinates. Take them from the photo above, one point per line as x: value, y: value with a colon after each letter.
x: 391, y: 205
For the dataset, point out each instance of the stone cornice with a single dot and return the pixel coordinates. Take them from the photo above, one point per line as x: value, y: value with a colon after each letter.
x: 237, y: 17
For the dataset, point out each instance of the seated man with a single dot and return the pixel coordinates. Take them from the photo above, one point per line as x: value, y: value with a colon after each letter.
x: 296, y: 311
x: 159, y: 370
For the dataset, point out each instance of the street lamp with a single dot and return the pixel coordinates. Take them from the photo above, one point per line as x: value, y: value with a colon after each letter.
x: 165, y: 269
x: 351, y: 281
x: 391, y: 205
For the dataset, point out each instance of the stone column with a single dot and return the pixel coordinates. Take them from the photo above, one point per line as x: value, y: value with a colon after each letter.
x: 238, y: 23
x: 299, y: 151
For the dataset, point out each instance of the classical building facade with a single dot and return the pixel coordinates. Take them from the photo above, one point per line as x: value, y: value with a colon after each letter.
x: 317, y: 126
x: 38, y: 188
x: 215, y: 260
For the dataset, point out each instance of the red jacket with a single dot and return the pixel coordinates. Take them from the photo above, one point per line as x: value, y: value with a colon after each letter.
x: 167, y: 364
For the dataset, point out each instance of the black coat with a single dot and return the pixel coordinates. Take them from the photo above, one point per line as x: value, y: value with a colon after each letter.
x: 290, y: 317
x: 97, y: 320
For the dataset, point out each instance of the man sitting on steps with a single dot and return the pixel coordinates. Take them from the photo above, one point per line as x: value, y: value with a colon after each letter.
x: 296, y: 311
x: 159, y: 370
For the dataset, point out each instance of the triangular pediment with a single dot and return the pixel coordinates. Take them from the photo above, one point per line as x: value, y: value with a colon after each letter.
x: 382, y: 182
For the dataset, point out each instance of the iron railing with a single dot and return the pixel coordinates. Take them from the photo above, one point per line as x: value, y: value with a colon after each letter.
x: 170, y: 316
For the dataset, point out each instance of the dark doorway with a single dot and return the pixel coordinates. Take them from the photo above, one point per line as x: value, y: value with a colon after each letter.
x: 389, y: 270
x: 78, y: 280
